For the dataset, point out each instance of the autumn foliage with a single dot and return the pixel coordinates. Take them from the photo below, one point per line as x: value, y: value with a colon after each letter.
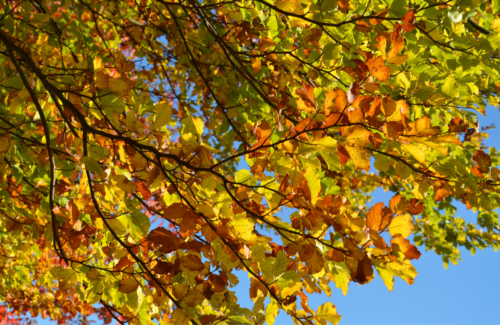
x: 149, y: 150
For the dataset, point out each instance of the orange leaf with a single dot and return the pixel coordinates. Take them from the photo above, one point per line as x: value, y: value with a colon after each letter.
x: 378, y: 69
x: 376, y: 21
x: 381, y: 44
x: 403, y: 245
x: 341, y: 100
x: 408, y: 21
x: 374, y: 218
x: 422, y: 124
x: 344, y: 6
x: 329, y: 97
x: 476, y: 172
x: 307, y: 94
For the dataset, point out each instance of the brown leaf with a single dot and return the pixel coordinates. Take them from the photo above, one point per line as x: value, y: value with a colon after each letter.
x: 265, y: 44
x: 218, y: 285
x: 364, y: 271
x: 163, y: 267
x: 207, y: 319
x: 192, y: 262
x: 165, y: 238
x: 335, y: 255
x: 313, y: 36
x: 482, y: 160
x: 128, y: 285
x: 353, y: 92
x: 282, y: 102
x: 343, y: 155
x: 362, y: 27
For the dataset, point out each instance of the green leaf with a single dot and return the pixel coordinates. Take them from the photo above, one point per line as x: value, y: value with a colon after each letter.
x: 272, y: 268
x: 450, y: 87
x: 94, y: 292
x: 59, y: 272
x: 113, y: 103
x: 382, y: 162
x: 495, y: 6
x: 93, y: 166
x: 244, y: 176
x: 139, y: 225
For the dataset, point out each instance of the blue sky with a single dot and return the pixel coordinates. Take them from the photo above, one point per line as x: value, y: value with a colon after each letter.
x: 463, y: 294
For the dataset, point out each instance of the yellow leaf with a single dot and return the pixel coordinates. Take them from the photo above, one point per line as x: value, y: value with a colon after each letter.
x: 188, y: 140
x: 360, y: 137
x: 418, y: 152
x: 193, y: 125
x: 398, y: 60
x: 272, y: 311
x: 23, y: 94
x: 360, y: 157
x: 194, y: 298
x: 401, y: 225
x: 288, y: 5
x: 178, y: 318
x: 59, y: 272
x: 327, y: 312
x: 313, y: 180
x: 98, y: 64
x: 163, y: 114
x: 301, y: 106
x: 123, y: 183
x: 385, y: 274
x: 118, y: 85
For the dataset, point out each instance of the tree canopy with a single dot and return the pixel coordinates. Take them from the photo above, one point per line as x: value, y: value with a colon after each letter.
x: 150, y: 149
